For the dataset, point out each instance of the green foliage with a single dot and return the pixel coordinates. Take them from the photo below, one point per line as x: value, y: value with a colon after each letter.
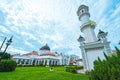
x: 7, y: 65
x: 4, y: 55
x: 79, y: 67
x: 73, y: 69
x: 108, y: 69
x: 87, y: 72
x: 93, y: 24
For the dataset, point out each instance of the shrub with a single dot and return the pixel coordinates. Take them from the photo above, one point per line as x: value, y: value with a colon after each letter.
x: 7, y: 65
x: 108, y: 69
x: 71, y: 69
x: 79, y: 67
x: 87, y: 72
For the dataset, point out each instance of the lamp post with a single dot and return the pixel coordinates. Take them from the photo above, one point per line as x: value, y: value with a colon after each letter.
x: 2, y: 43
x: 7, y: 44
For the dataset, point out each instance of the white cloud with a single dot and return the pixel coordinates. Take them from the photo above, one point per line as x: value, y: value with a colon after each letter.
x: 3, y: 29
x: 16, y: 51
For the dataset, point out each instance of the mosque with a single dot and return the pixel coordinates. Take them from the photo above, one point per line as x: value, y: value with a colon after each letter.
x: 43, y: 57
x: 91, y: 46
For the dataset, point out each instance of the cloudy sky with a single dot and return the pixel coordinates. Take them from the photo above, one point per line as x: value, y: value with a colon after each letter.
x: 33, y: 23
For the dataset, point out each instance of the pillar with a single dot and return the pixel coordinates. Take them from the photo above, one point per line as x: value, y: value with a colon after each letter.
x: 48, y: 61
x: 17, y: 61
x: 38, y: 62
x: 20, y: 61
x: 51, y: 62
x: 31, y: 61
x: 25, y: 62
x: 44, y: 62
x: 35, y: 62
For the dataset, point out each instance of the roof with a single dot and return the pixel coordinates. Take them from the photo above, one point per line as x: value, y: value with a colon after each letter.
x: 46, y: 47
x: 72, y: 61
x: 50, y: 53
x: 32, y: 53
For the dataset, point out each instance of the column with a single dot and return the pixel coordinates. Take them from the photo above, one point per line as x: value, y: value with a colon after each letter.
x: 57, y: 62
x: 51, y: 62
x: 38, y: 62
x: 20, y: 61
x: 48, y: 62
x: 44, y: 62
x: 31, y: 61
x: 25, y: 62
x: 17, y: 61
x: 60, y: 61
x: 54, y: 62
x: 35, y: 62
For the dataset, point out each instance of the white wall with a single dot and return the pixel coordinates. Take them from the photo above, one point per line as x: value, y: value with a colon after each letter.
x: 92, y: 55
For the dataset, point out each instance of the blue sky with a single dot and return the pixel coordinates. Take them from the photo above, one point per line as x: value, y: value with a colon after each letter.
x: 33, y: 23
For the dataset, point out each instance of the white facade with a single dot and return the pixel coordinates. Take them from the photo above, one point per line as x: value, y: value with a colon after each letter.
x: 91, y: 46
x: 44, y: 57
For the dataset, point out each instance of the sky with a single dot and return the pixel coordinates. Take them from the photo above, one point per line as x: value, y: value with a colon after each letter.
x: 33, y: 23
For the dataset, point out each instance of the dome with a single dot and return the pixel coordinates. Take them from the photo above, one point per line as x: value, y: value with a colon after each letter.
x: 46, y: 47
x: 81, y: 8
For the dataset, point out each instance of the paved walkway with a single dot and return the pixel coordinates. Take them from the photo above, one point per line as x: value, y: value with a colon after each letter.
x: 81, y: 71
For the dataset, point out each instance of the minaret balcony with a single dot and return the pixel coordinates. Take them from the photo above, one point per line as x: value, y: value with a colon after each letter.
x: 88, y: 24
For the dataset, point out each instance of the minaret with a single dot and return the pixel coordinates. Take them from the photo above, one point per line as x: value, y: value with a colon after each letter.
x: 86, y: 28
x: 91, y: 46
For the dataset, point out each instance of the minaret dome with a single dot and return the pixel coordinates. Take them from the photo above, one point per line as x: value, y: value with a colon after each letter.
x: 83, y: 13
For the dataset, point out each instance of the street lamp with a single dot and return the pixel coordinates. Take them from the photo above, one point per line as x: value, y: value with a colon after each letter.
x: 7, y: 44
x: 2, y: 43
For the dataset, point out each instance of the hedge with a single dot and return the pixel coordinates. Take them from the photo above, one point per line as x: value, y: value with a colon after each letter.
x: 7, y: 65
x: 73, y: 69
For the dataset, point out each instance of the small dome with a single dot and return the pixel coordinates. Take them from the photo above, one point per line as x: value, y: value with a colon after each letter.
x: 81, y: 39
x: 46, y: 47
x: 100, y: 32
x: 81, y: 8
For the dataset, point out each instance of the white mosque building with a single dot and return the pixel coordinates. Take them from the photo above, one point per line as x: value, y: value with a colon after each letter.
x: 43, y: 57
x: 91, y: 46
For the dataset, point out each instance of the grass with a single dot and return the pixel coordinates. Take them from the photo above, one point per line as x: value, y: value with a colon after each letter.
x: 41, y: 73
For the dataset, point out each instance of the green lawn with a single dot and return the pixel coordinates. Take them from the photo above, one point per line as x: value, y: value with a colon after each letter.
x: 41, y: 73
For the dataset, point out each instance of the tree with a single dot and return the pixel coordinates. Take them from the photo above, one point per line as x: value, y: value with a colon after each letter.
x: 4, y: 55
x: 108, y: 69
